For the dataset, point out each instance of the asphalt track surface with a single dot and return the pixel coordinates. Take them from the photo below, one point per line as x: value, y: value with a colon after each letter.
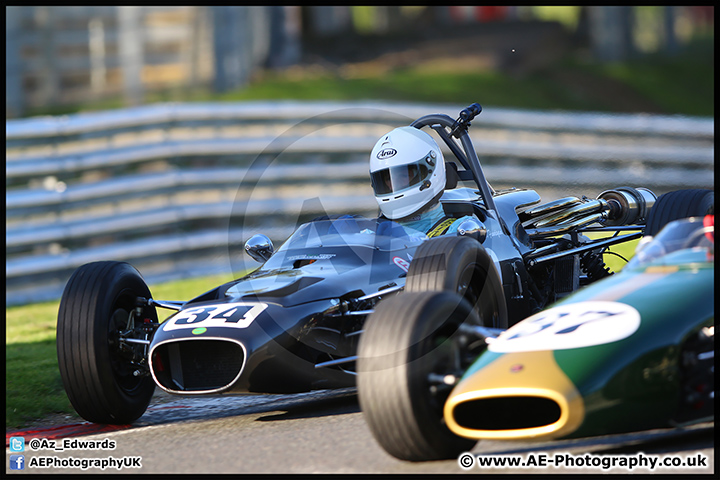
x: 324, y: 432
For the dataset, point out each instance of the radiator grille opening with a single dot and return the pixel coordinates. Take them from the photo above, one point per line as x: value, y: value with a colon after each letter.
x: 196, y: 365
x: 567, y: 275
x: 506, y: 413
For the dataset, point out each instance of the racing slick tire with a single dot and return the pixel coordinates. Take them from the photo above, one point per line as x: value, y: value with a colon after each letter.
x: 676, y: 205
x: 96, y: 370
x: 409, y: 342
x: 460, y: 264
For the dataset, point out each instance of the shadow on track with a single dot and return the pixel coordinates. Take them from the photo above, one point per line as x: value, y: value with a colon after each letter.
x: 317, y: 408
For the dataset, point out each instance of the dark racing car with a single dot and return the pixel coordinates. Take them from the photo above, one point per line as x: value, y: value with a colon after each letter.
x: 294, y: 324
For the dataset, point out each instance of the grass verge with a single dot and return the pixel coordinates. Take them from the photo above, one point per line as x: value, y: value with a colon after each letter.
x: 681, y: 84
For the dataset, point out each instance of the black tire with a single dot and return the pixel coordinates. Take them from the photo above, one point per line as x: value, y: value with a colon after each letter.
x: 407, y: 338
x: 97, y: 375
x: 460, y: 264
x: 676, y: 205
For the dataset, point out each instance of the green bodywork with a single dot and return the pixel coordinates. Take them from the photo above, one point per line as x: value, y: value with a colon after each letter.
x: 635, y: 383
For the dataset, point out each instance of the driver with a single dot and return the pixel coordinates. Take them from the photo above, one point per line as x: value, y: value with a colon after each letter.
x: 407, y: 171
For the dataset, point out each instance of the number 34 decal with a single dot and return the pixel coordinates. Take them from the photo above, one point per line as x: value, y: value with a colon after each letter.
x: 233, y: 315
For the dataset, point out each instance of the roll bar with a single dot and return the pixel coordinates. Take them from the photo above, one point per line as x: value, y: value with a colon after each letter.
x: 467, y: 156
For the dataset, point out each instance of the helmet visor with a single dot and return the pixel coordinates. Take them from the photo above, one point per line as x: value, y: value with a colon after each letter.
x: 399, y: 178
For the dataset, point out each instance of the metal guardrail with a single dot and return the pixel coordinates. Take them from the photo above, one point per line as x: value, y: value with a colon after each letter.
x: 641, y: 124
x: 176, y: 188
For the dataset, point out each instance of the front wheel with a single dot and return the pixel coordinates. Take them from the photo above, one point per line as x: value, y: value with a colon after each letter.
x: 102, y: 374
x: 409, y: 357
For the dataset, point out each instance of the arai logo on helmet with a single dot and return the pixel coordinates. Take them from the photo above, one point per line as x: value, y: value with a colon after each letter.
x: 386, y: 153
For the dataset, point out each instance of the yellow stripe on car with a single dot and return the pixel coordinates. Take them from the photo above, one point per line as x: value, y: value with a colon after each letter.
x: 440, y: 229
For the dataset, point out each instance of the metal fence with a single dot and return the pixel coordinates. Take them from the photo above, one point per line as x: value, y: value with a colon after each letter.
x: 176, y: 189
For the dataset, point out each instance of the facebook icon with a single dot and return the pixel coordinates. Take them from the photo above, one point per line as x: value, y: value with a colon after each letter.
x: 17, y: 462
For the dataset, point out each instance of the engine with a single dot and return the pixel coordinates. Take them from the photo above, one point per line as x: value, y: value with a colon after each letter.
x: 617, y: 207
x: 564, y: 259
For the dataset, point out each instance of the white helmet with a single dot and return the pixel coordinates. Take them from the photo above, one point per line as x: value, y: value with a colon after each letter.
x: 407, y: 171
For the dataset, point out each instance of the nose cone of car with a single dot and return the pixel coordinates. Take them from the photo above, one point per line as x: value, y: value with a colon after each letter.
x: 516, y: 396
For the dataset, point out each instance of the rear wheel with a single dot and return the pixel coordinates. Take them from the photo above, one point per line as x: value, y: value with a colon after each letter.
x: 98, y: 370
x: 676, y: 205
x: 461, y: 265
x: 409, y: 357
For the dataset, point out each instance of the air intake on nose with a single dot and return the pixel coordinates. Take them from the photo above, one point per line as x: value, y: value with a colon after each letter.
x: 506, y: 413
x: 194, y: 365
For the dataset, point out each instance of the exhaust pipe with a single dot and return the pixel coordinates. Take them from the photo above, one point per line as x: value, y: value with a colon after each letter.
x: 628, y: 205
x: 617, y: 207
x: 561, y: 217
x: 550, y: 207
